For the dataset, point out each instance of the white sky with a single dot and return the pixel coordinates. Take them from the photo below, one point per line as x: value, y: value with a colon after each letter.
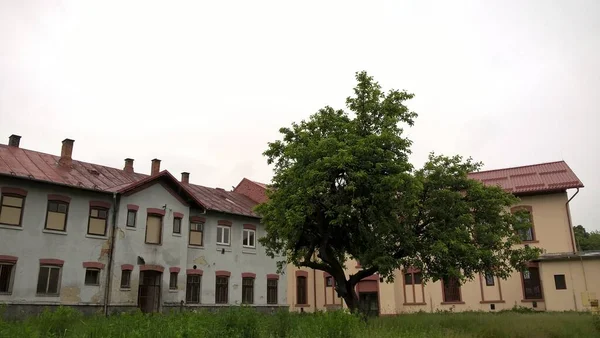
x: 205, y: 85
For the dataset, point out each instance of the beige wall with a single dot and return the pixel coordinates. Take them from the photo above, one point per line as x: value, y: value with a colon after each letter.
x: 552, y: 233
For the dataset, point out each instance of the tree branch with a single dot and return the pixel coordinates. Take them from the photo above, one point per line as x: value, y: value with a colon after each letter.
x: 355, y: 278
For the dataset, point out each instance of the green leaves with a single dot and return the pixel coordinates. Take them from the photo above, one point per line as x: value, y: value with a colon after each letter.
x: 343, y: 188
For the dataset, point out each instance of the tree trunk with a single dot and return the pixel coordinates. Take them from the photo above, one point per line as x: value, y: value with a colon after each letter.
x: 351, y: 298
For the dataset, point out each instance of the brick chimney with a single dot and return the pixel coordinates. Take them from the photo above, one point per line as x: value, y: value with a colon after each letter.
x: 66, y: 152
x: 185, y: 177
x: 155, y: 167
x: 128, y: 165
x: 14, y: 140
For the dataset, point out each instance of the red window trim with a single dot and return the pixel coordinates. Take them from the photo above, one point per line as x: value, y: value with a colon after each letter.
x: 460, y: 301
x: 52, y: 261
x: 93, y: 265
x: 14, y: 191
x: 8, y: 259
x: 197, y: 219
x: 99, y: 204
x: 272, y: 276
x: 194, y: 272
x: 174, y: 269
x: 155, y: 211
x: 529, y: 209
x: 224, y: 222
x: 128, y: 267
x: 151, y: 267
x: 248, y: 275
x: 178, y: 215
x: 300, y: 273
x: 250, y: 226
x: 222, y: 273
x: 133, y: 207
x: 61, y: 198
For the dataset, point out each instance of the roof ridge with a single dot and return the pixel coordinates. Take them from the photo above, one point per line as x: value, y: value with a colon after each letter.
x: 518, y: 167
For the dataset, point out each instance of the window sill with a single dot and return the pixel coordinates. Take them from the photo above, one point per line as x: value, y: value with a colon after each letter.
x: 228, y: 249
x: 191, y: 246
x: 223, y: 244
x: 451, y: 303
x: 414, y: 304
x: 131, y: 228
x: 46, y: 295
x: 11, y: 227
x: 54, y: 232
x: 176, y: 235
x: 96, y: 236
x: 530, y: 242
x: 532, y: 300
x: 302, y: 305
x: 124, y: 289
x: 249, y: 251
x: 5, y: 293
x: 173, y: 290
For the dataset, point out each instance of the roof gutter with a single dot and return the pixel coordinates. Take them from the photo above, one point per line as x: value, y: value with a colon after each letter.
x: 573, y: 240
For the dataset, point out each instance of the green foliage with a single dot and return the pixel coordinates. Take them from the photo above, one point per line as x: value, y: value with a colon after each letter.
x: 343, y: 188
x: 586, y: 240
x: 232, y: 322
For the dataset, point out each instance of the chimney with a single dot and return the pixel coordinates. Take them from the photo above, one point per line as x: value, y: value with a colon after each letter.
x: 155, y: 167
x: 128, y: 165
x: 66, y: 152
x: 14, y: 140
x: 185, y: 177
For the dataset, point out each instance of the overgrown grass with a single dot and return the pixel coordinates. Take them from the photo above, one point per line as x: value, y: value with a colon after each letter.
x: 240, y: 322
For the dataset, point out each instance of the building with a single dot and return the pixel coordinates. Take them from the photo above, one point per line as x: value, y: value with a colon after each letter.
x: 561, y: 279
x: 106, y: 239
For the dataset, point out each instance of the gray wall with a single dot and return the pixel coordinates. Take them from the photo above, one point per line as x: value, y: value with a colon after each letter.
x: 32, y: 242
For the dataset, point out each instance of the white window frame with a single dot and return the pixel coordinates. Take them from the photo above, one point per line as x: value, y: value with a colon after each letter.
x: 222, y: 229
x: 253, y: 246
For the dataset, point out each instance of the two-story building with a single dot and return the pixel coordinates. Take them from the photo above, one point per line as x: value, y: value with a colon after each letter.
x: 561, y: 279
x: 106, y: 239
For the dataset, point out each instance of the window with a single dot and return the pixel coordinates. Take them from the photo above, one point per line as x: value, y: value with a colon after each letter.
x: 177, y: 225
x: 125, y: 279
x: 489, y: 279
x: 196, y: 233
x: 247, y: 290
x: 131, y: 217
x: 223, y: 235
x: 92, y: 277
x: 559, y: 282
x: 408, y: 280
x: 413, y: 278
x: 153, y: 229
x: 173, y: 281
x: 532, y: 288
x: 301, y: 292
x: 11, y: 209
x: 5, y: 277
x: 527, y: 235
x: 192, y: 291
x: 97, y: 221
x: 48, y: 280
x: 249, y: 238
x: 328, y: 281
x: 222, y: 290
x: 56, y: 215
x: 451, y: 290
x: 271, y: 291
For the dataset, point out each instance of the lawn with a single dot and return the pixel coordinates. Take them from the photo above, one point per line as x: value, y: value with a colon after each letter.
x: 246, y: 323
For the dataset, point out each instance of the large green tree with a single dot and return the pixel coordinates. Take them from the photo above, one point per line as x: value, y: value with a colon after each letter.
x: 343, y: 188
x: 586, y: 240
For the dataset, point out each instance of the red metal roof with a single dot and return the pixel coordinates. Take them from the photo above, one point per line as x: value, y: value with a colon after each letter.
x: 29, y: 164
x: 536, y: 178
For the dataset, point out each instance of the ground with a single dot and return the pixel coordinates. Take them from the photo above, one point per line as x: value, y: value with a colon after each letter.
x: 246, y: 323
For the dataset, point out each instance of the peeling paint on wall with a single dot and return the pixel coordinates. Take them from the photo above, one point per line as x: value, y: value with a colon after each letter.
x: 200, y: 260
x: 70, y: 295
x: 95, y: 298
x: 121, y: 233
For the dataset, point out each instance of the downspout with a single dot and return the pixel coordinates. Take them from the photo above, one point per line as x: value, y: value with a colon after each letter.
x: 315, y: 289
x: 569, y: 220
x: 116, y: 200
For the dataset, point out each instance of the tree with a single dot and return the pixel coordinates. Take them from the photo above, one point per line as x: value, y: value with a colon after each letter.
x: 343, y: 188
x: 586, y: 240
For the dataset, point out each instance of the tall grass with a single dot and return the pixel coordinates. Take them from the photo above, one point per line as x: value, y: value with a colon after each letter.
x: 242, y: 322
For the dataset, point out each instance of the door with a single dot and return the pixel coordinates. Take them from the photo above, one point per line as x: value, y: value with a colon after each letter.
x: 369, y: 303
x: 149, y: 291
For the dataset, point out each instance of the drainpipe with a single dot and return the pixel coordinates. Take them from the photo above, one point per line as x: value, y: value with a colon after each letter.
x: 570, y: 224
x: 315, y: 289
x: 110, y: 253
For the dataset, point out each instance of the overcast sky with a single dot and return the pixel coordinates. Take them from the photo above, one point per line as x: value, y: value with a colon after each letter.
x: 205, y: 85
